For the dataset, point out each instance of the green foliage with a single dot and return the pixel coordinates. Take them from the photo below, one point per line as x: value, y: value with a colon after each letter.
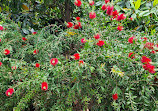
x: 72, y: 86
x: 144, y: 13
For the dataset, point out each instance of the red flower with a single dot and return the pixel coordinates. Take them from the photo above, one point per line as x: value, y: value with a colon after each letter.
x: 121, y: 17
x: 131, y: 55
x: 0, y: 63
x: 0, y: 40
x: 120, y: 28
x: 100, y: 43
x: 149, y: 67
x: 153, y: 52
x: 115, y: 13
x: 145, y: 39
x: 76, y: 56
x: 106, y: 1
x: 115, y: 96
x: 44, y: 86
x: 131, y: 18
x: 149, y: 45
x: 1, y: 28
x: 92, y: 15
x: 91, y: 3
x: 97, y: 36
x: 37, y: 65
x: 130, y: 40
x: 145, y: 60
x: 78, y: 3
x: 104, y: 7
x: 24, y: 39
x: 34, y: 33
x: 35, y: 51
x: 77, y: 26
x: 54, y: 61
x: 9, y: 92
x: 109, y: 10
x: 83, y: 40
x: 69, y: 24
x: 14, y: 68
x: 77, y: 18
x: 81, y: 62
x: 6, y: 52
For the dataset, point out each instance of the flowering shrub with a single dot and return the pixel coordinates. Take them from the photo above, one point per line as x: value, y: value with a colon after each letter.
x: 90, y: 66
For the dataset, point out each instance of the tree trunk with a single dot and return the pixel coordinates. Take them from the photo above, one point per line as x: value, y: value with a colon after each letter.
x: 67, y: 11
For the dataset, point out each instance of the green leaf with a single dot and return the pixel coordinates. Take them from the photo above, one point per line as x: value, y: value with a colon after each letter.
x: 155, y: 2
x: 137, y: 4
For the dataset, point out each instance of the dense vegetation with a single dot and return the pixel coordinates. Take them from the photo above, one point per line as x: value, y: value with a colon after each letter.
x: 103, y: 56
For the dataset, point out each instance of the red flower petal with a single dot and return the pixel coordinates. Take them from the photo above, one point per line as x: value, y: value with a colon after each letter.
x: 6, y: 52
x: 54, y: 61
x: 78, y: 3
x: 92, y: 15
x: 37, y: 65
x: 100, y: 43
x: 115, y: 96
x: 44, y: 86
x: 76, y: 56
x: 9, y: 92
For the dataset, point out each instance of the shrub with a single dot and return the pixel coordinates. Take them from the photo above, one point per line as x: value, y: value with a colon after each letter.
x: 99, y: 74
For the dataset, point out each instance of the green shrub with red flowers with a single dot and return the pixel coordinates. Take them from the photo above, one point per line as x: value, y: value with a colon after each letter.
x: 95, y: 64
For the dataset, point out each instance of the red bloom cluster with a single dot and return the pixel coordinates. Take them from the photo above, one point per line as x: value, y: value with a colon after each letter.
x: 81, y: 62
x: 104, y: 7
x: 147, y: 65
x: 76, y: 56
x: 69, y: 24
x: 24, y: 39
x: 14, y: 68
x: 100, y: 43
x: 78, y: 3
x: 0, y: 63
x: 9, y: 92
x: 77, y: 26
x: 109, y: 10
x: 130, y: 40
x: 131, y: 55
x: 131, y: 18
x: 91, y: 3
x: 144, y: 39
x: 37, y: 65
x: 44, y: 86
x: 97, y: 36
x: 120, y: 28
x: 106, y: 1
x: 6, y: 52
x: 115, y: 96
x: 145, y: 60
x: 149, y: 45
x: 34, y: 33
x: 153, y: 52
x: 35, y: 51
x: 1, y: 28
x: 120, y: 17
x: 77, y: 18
x: 115, y: 13
x: 83, y: 40
x: 92, y: 15
x: 54, y: 61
